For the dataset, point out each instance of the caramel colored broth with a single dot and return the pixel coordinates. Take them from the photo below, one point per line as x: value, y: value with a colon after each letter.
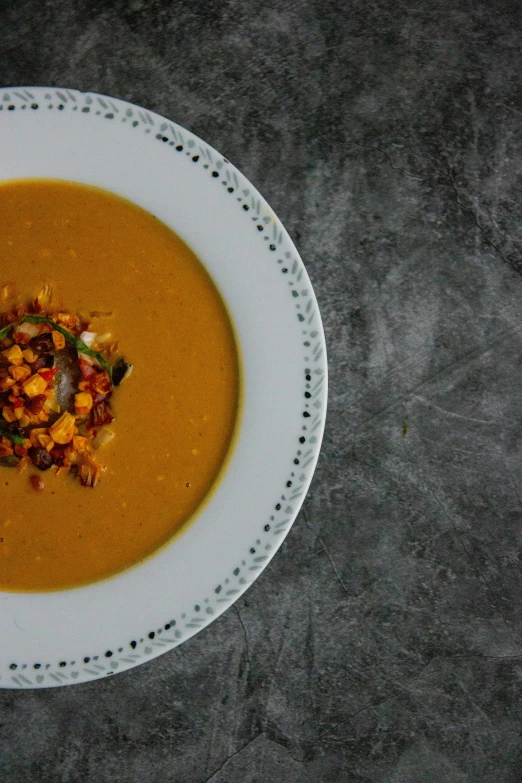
x: 175, y: 415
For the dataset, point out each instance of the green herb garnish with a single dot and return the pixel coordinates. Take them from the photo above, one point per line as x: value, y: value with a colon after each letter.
x: 5, y: 331
x: 10, y: 461
x: 11, y: 436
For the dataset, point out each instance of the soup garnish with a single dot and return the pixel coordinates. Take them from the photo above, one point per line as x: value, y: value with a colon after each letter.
x: 56, y: 384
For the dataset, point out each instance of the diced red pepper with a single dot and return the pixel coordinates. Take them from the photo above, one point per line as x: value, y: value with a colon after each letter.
x: 102, y: 383
x: 48, y: 375
x: 17, y: 402
x: 86, y: 369
x: 101, y: 414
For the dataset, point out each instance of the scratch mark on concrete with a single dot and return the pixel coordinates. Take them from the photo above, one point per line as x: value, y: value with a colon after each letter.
x: 429, y: 404
x: 245, y: 636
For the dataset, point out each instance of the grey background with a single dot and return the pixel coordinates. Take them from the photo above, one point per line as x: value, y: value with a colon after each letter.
x: 384, y: 641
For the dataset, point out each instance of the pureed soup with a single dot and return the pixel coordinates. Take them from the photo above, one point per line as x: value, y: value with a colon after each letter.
x: 87, y: 496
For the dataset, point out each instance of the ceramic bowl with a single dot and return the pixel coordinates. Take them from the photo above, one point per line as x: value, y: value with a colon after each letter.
x: 86, y: 633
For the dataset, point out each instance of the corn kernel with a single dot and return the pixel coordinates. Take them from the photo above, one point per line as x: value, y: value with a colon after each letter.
x: 51, y: 406
x: 82, y: 403
x: 14, y: 355
x: 35, y: 385
x: 62, y: 431
x: 46, y: 442
x: 29, y: 355
x: 46, y: 294
x: 58, y: 340
x: 9, y: 415
x: 80, y: 443
x: 34, y: 435
x: 7, y: 292
x: 19, y: 372
x: 70, y: 456
x: 68, y: 319
x: 7, y: 383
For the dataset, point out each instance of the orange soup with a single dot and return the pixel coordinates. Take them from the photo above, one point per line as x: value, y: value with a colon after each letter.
x: 175, y: 414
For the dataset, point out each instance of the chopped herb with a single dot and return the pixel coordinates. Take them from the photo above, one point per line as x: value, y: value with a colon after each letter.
x: 12, y: 437
x: 10, y: 461
x: 5, y: 331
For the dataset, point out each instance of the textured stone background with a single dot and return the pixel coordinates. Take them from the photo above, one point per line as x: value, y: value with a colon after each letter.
x: 384, y: 642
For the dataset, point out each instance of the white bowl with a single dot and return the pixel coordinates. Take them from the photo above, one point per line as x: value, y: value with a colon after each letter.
x: 75, y: 635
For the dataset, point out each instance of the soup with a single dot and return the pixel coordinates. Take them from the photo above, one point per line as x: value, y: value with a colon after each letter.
x: 174, y: 416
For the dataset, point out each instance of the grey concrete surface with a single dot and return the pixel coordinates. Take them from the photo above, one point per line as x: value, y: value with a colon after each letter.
x: 384, y: 642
